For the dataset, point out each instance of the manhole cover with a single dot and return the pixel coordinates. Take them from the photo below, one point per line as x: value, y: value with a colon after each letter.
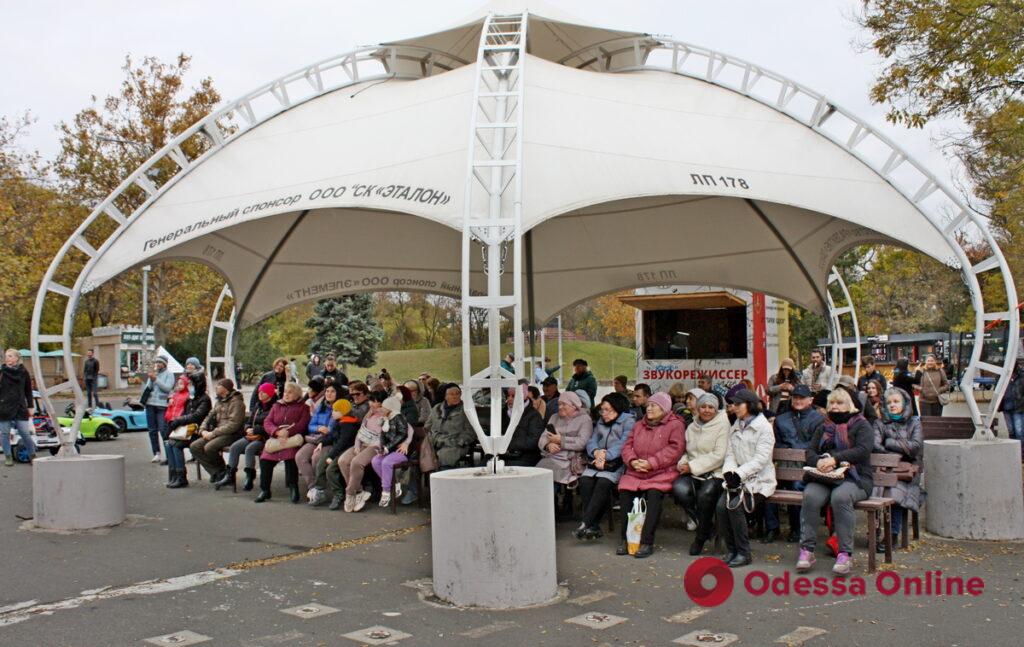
x: 311, y: 610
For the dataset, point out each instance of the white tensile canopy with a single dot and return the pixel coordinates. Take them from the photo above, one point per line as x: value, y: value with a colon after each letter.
x: 632, y: 179
x: 638, y: 161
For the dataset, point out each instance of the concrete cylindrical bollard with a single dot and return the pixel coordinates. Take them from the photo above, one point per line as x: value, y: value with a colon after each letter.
x: 493, y: 537
x: 78, y: 493
x: 974, y: 489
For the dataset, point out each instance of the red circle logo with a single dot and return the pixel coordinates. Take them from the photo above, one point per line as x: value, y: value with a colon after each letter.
x: 694, y: 584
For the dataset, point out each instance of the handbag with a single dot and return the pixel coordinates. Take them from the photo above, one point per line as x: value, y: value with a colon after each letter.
x: 828, y: 479
x: 943, y: 397
x: 428, y: 456
x: 275, y: 444
x: 146, y: 392
x: 906, y: 471
x: 184, y: 433
x: 577, y: 464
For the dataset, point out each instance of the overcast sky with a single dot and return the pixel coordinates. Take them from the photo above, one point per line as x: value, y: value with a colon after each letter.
x: 55, y: 55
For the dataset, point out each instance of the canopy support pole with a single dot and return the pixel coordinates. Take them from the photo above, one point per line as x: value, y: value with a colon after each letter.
x: 492, y: 219
x: 531, y: 315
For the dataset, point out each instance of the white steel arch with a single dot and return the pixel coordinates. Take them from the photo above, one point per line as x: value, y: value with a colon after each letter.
x: 943, y: 209
x: 933, y: 199
x: 495, y: 167
x: 173, y: 162
x: 226, y: 357
x: 835, y: 317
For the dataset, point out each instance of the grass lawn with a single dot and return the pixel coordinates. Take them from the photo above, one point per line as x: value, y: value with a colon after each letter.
x: 606, y: 361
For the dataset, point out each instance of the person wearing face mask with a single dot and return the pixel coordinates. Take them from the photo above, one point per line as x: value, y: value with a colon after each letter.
x: 899, y: 432
x: 604, y: 462
x: 700, y: 469
x: 846, y: 437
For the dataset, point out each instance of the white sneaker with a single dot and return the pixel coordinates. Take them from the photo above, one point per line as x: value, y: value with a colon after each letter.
x: 398, y: 490
x: 155, y: 459
x: 691, y: 525
x: 385, y: 499
x: 350, y: 502
x: 316, y: 496
x: 361, y: 500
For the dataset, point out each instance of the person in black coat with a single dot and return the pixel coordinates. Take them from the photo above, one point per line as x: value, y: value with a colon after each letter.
x: 846, y: 437
x: 15, y: 404
x: 196, y: 410
x: 277, y: 377
x: 523, y: 450
x: 331, y: 371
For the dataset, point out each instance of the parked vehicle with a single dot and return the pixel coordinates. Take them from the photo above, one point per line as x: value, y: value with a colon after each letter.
x: 130, y: 417
x: 93, y: 426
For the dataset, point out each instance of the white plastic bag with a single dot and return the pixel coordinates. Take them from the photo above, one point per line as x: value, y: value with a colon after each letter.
x: 635, y: 524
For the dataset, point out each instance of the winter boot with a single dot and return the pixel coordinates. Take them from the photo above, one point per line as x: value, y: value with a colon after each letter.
x: 228, y: 480
x: 250, y: 477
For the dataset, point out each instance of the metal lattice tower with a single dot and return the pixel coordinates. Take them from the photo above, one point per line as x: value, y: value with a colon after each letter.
x: 492, y: 217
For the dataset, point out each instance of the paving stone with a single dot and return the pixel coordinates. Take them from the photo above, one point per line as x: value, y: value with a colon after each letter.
x: 179, y: 639
x: 377, y: 635
x: 311, y: 610
x: 597, y: 620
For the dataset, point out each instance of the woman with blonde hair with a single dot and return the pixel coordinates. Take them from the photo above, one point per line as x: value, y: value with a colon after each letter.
x: 845, y: 438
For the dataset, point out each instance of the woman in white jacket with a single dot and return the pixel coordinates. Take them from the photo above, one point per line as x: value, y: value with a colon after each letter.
x: 699, y: 485
x: 749, y: 475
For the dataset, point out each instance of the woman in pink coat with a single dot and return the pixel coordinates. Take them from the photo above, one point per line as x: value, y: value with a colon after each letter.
x: 650, y: 454
x: 288, y: 417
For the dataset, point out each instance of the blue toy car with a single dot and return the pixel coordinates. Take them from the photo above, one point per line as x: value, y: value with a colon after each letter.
x: 130, y: 417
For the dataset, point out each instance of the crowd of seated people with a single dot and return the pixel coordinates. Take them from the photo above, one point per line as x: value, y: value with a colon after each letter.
x: 709, y: 448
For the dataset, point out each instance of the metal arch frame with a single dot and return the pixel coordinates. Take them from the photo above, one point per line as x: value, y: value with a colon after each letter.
x: 835, y: 314
x: 494, y: 165
x: 210, y: 134
x: 930, y: 196
x: 227, y: 356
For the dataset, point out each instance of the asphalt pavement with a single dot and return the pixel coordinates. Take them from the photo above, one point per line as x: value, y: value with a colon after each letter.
x: 227, y: 569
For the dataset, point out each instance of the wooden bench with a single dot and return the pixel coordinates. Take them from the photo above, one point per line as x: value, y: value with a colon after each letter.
x: 946, y: 428
x: 884, y: 464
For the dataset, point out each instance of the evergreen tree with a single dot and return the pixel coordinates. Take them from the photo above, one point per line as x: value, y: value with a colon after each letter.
x: 346, y: 327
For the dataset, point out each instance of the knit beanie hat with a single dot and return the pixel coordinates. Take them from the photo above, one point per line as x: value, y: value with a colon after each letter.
x: 708, y: 398
x: 662, y: 400
x: 342, y: 406
x: 393, y: 404
x: 267, y: 388
x: 194, y: 361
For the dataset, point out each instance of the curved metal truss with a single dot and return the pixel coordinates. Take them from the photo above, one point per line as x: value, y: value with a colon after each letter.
x: 835, y: 318
x: 943, y: 209
x: 79, y: 254
x: 500, y: 81
x: 494, y: 173
x: 226, y: 357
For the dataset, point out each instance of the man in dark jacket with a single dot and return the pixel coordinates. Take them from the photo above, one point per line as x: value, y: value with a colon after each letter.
x: 551, y: 395
x: 90, y: 371
x: 524, y: 449
x: 793, y: 430
x: 582, y: 378
x: 15, y: 404
x: 277, y: 377
x: 869, y: 373
x: 332, y: 372
x: 221, y: 428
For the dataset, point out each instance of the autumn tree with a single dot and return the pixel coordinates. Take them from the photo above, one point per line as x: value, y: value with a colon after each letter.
x: 962, y: 59
x: 105, y: 143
